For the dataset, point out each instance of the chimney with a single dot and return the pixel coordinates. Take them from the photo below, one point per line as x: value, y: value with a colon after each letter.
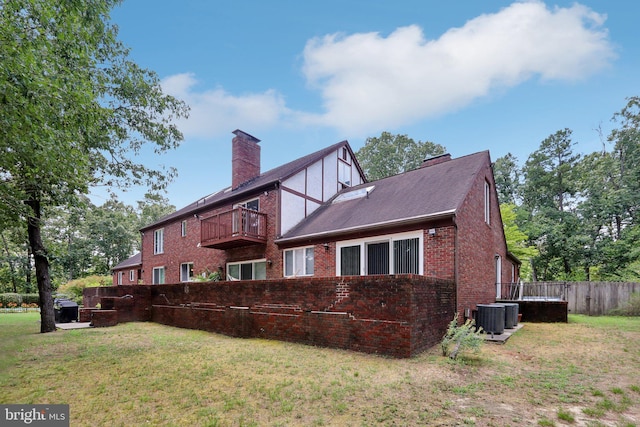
x: 435, y: 160
x: 245, y: 158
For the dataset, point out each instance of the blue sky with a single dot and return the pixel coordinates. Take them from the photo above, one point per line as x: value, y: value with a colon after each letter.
x: 470, y: 75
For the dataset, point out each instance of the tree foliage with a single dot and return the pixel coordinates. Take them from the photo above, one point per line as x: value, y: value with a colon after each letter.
x: 389, y: 155
x: 581, y: 212
x: 74, y: 108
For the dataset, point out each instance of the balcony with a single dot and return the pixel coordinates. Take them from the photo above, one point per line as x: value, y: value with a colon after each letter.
x: 234, y: 228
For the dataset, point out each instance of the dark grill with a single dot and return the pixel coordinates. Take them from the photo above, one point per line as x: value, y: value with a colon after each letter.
x: 66, y: 311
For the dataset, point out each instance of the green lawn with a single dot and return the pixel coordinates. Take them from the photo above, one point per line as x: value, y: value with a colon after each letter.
x: 586, y: 372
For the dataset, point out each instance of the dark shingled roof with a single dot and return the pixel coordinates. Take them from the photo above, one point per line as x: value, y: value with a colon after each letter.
x: 130, y: 262
x: 265, y: 179
x: 430, y: 192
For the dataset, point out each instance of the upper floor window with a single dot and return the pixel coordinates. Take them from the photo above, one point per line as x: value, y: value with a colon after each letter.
x: 298, y: 262
x: 158, y: 241
x: 253, y: 205
x: 183, y: 231
x: 487, y: 203
x: 344, y: 173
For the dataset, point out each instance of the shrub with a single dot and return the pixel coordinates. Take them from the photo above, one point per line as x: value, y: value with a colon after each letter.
x: 631, y: 308
x: 460, y: 338
x: 73, y: 289
x: 18, y: 299
x: 208, y: 276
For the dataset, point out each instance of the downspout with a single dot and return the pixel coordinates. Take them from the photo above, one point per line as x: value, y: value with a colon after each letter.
x: 456, y: 266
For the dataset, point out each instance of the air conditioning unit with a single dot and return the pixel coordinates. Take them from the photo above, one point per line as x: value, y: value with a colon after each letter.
x: 491, y: 318
x: 510, y: 314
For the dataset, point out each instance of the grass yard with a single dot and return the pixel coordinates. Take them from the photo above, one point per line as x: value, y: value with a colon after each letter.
x: 584, y: 373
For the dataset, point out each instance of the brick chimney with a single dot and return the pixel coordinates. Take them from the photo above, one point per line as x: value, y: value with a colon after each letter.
x: 245, y: 158
x: 436, y: 160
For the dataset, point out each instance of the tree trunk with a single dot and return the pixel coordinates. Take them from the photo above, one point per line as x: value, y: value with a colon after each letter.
x: 34, y: 225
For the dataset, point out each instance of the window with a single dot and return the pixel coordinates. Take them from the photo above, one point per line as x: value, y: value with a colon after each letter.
x: 298, y: 262
x: 186, y: 272
x: 120, y: 274
x: 498, y: 276
x: 158, y: 275
x: 487, y: 204
x: 248, y: 222
x: 406, y: 256
x: 248, y: 270
x: 158, y: 241
x: 350, y: 261
x: 378, y: 258
x: 344, y: 173
x: 184, y: 228
x: 132, y: 275
x: 392, y: 254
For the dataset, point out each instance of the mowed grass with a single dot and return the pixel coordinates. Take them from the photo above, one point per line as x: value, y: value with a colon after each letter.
x: 584, y: 373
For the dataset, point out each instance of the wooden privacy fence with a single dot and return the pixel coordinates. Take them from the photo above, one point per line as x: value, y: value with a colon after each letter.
x: 591, y: 298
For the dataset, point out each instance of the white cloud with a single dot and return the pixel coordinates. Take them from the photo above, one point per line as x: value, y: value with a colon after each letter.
x: 371, y: 82
x: 214, y: 112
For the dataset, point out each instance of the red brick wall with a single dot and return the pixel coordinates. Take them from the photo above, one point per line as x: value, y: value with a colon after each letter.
x: 392, y: 315
x: 478, y: 243
x: 126, y: 276
x: 178, y: 249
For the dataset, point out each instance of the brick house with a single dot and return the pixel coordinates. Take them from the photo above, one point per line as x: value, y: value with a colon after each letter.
x: 319, y: 216
x: 129, y: 271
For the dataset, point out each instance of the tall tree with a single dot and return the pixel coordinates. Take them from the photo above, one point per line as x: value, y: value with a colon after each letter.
x: 517, y: 240
x: 550, y: 196
x: 389, y: 155
x: 111, y: 231
x: 74, y: 108
x: 507, y: 177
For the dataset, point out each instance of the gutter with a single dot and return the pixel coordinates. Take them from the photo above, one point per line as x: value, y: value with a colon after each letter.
x: 366, y: 227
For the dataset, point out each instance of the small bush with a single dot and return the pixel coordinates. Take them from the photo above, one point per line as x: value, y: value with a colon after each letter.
x: 461, y: 338
x: 208, y: 276
x: 631, y: 308
x: 73, y: 289
x: 19, y: 299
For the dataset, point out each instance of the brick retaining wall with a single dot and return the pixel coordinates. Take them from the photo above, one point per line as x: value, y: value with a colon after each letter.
x: 398, y: 316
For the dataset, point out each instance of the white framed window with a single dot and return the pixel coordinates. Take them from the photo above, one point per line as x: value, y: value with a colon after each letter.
x: 186, y: 272
x: 487, y: 203
x: 158, y: 275
x: 158, y: 241
x: 344, y: 173
x: 120, y: 275
x: 253, y: 204
x: 389, y: 254
x: 132, y: 275
x: 498, y: 276
x: 247, y: 270
x: 298, y: 262
x: 183, y: 229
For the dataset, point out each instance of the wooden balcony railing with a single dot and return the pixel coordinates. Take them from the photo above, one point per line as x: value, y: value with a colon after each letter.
x: 234, y: 228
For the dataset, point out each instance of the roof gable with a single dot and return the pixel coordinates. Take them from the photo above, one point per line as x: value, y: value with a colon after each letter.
x: 428, y: 192
x: 265, y: 179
